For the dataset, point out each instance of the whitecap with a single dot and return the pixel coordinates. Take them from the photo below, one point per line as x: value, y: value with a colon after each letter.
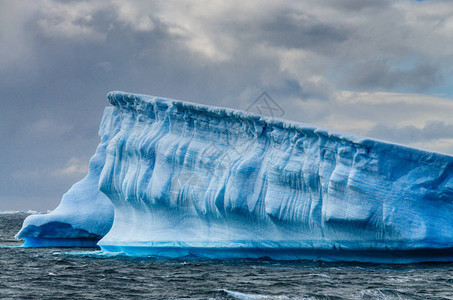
x: 244, y: 296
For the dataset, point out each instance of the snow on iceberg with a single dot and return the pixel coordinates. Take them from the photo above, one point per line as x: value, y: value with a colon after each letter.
x: 189, y: 179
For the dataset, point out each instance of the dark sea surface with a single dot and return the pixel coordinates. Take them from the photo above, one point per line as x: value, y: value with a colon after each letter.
x: 55, y: 273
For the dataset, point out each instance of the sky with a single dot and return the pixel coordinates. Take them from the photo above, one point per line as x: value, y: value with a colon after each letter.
x: 380, y: 68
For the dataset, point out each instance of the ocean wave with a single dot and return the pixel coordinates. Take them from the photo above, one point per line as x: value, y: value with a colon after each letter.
x: 30, y: 211
x: 239, y: 295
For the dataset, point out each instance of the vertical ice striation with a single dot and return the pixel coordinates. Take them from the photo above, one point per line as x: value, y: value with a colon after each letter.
x: 186, y: 178
x: 192, y: 179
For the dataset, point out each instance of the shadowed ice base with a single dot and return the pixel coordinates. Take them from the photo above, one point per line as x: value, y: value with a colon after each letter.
x: 285, y: 253
x: 60, y: 243
x: 44, y: 236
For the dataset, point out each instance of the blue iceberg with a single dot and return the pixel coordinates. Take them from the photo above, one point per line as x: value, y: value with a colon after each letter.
x: 174, y: 178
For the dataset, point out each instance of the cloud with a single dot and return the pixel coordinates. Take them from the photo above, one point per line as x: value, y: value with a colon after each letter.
x: 358, y: 5
x: 74, y: 167
x: 296, y: 29
x: 384, y: 75
x: 132, y: 15
x: 46, y: 127
x: 73, y: 19
x: 433, y: 130
x: 366, y: 67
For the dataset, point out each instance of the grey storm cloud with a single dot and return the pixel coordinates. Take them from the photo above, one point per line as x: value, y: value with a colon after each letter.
x: 58, y: 60
x: 358, y: 5
x: 290, y: 29
x: 408, y: 134
x: 383, y: 75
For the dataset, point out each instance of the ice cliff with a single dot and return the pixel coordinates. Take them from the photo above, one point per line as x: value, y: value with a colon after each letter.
x: 191, y: 179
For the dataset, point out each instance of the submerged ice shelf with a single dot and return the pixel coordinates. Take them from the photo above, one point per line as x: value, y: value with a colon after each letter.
x: 184, y: 178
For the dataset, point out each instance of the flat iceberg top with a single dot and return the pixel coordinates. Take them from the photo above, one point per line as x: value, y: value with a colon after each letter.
x: 147, y: 105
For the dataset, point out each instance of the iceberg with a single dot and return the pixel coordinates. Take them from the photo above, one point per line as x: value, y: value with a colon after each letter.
x: 174, y: 178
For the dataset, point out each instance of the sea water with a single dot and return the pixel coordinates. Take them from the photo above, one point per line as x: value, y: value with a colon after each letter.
x: 88, y: 273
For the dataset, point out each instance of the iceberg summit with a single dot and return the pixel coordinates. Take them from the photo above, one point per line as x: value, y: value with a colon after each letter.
x: 174, y: 178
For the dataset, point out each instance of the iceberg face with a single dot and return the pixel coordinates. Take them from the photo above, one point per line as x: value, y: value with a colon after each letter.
x: 84, y: 215
x: 191, y: 179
